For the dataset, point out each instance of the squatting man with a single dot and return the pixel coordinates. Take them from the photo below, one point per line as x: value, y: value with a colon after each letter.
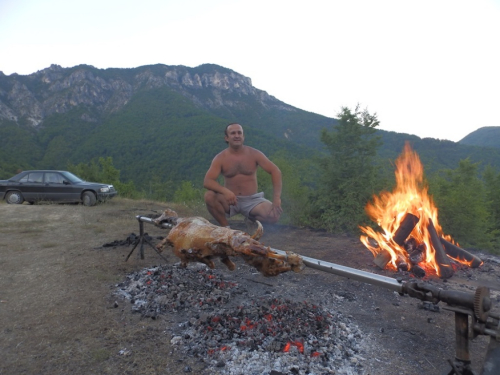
x: 238, y: 165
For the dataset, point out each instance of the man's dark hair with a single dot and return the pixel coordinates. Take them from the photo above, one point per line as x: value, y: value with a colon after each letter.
x: 228, y: 125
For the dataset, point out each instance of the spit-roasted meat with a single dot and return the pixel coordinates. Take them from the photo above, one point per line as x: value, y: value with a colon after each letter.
x: 195, y: 239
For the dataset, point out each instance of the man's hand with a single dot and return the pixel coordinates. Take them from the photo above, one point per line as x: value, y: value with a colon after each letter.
x: 276, y: 209
x: 230, y: 197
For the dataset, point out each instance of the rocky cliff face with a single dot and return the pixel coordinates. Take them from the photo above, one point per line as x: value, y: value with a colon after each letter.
x: 30, y: 99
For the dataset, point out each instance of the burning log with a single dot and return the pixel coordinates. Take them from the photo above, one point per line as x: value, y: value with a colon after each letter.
x: 401, y: 263
x: 459, y: 253
x: 416, y: 251
x: 442, y: 259
x: 418, y: 271
x: 382, y: 258
x: 407, y: 225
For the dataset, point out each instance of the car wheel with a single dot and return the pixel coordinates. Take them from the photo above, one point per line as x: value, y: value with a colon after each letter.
x: 14, y: 197
x: 89, y: 198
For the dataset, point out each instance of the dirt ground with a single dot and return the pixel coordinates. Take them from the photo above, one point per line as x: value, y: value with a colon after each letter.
x: 58, y: 313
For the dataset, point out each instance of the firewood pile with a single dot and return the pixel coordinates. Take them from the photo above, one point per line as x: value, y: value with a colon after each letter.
x: 409, y: 236
x: 447, y: 256
x: 234, y: 332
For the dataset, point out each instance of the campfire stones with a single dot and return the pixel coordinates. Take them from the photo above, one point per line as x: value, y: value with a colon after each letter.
x: 247, y: 336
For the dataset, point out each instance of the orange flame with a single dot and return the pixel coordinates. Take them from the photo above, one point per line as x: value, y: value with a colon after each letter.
x: 389, y: 209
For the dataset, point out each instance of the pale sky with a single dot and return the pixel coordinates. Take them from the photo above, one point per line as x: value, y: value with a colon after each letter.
x: 429, y: 67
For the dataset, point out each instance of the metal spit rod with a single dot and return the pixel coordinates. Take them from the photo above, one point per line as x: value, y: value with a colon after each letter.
x: 321, y: 265
x: 150, y: 221
x: 351, y: 273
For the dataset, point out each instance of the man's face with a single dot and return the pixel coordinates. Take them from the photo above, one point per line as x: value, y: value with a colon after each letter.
x: 234, y: 135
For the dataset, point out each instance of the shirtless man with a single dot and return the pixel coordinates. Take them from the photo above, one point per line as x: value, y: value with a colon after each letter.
x: 238, y: 164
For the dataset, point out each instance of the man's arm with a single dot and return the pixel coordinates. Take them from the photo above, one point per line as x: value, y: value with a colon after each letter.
x: 210, y: 181
x: 275, y: 173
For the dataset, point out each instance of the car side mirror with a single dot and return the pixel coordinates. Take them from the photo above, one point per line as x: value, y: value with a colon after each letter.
x: 66, y: 182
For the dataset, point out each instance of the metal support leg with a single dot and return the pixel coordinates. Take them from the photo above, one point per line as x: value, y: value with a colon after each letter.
x: 461, y: 365
x: 142, y: 239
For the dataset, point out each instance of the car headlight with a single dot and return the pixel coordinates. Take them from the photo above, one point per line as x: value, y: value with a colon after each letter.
x: 104, y: 189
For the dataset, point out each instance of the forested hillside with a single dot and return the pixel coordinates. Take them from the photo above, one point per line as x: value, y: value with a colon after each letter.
x: 488, y: 136
x: 167, y: 122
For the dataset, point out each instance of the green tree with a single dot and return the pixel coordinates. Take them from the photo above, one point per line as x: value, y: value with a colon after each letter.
x: 188, y: 195
x: 159, y: 190
x: 492, y: 186
x: 461, y: 199
x: 349, y: 171
x: 102, y: 170
x: 294, y: 195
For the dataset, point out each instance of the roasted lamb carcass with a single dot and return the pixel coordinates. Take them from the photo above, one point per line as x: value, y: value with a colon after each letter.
x: 195, y: 239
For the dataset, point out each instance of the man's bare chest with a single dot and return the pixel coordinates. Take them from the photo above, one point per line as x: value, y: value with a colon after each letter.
x: 239, y: 167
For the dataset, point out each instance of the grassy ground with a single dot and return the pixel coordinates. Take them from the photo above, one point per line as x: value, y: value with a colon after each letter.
x: 57, y: 313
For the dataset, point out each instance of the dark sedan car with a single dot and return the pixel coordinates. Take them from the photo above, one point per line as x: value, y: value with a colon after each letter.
x: 53, y: 186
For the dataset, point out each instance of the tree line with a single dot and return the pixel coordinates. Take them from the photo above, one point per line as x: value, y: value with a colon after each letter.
x: 331, y: 191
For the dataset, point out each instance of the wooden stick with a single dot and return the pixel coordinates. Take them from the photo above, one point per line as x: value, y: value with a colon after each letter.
x: 459, y: 253
x: 441, y: 258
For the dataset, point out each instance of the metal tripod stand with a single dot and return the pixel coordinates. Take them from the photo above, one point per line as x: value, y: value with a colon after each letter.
x: 142, y: 239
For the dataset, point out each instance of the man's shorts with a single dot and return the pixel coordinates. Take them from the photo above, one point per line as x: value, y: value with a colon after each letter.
x: 246, y: 204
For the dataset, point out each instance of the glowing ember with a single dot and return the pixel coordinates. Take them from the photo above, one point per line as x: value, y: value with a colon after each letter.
x: 389, y: 209
x: 298, y: 344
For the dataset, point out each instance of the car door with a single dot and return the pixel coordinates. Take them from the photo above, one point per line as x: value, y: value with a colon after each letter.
x: 60, y: 189
x: 31, y: 186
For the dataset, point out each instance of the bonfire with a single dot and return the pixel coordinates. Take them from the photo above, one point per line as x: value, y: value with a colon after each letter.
x: 410, y: 210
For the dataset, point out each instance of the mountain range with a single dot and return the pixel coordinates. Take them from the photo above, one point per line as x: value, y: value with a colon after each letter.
x: 169, y: 121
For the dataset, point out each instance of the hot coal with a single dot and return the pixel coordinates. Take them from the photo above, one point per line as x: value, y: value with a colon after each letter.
x: 237, y: 333
x: 415, y: 250
x: 401, y: 264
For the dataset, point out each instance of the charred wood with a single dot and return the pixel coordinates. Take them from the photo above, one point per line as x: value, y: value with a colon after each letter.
x: 415, y: 250
x: 401, y: 264
x: 418, y: 271
x: 442, y: 259
x: 405, y: 228
x: 459, y: 253
x: 417, y: 255
x: 410, y: 245
x: 402, y: 233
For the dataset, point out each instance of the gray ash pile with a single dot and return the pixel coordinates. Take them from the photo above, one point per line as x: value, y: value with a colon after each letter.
x: 237, y: 332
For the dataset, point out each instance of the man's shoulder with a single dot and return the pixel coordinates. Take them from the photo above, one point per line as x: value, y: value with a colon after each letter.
x: 221, y: 154
x: 254, y: 152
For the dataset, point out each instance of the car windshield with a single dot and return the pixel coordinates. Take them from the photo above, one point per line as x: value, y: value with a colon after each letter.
x: 71, y: 177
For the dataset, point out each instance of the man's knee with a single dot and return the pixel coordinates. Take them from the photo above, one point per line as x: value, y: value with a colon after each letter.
x: 210, y: 196
x: 263, y: 213
x: 268, y: 219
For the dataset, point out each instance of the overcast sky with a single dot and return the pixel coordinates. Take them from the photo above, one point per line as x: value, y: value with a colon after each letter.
x: 427, y: 67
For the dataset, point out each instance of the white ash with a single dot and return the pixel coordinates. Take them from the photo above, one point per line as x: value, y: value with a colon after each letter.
x: 236, y: 332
